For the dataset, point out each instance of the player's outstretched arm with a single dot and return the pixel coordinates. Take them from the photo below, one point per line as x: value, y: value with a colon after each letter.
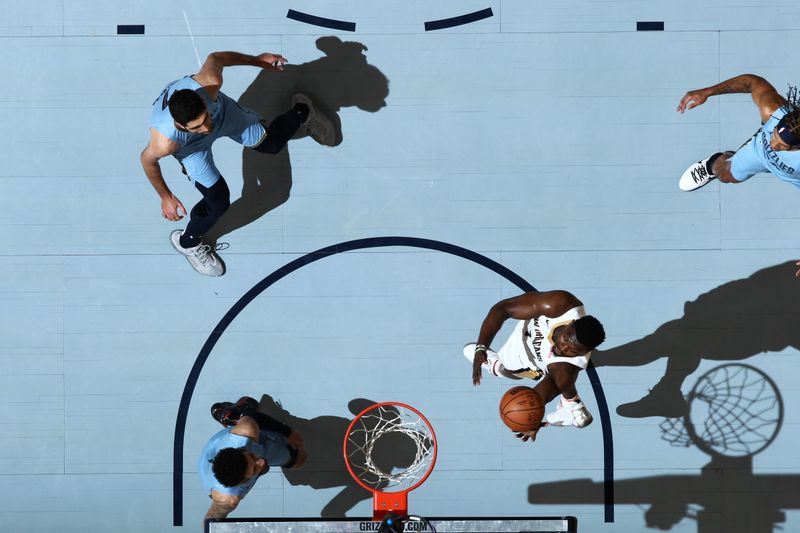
x: 764, y: 95
x: 210, y: 74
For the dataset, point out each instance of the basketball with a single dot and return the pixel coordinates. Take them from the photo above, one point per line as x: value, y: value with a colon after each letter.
x: 521, y: 409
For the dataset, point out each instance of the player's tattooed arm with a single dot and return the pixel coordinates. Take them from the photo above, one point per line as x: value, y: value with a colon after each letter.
x: 221, y: 505
x: 764, y: 95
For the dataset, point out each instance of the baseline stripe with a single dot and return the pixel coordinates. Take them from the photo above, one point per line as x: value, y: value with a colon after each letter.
x: 130, y: 29
x: 656, y: 25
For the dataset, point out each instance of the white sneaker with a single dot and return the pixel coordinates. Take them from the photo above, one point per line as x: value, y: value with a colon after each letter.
x: 696, y: 176
x: 319, y: 127
x: 492, y: 363
x: 202, y: 258
x: 570, y: 413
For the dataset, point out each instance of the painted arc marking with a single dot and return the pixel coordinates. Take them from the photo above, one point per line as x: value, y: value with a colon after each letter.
x: 361, y: 244
x: 459, y: 21
x: 320, y: 21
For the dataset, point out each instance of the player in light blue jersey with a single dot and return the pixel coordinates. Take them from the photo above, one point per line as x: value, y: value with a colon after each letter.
x: 187, y: 117
x: 236, y: 456
x: 774, y: 148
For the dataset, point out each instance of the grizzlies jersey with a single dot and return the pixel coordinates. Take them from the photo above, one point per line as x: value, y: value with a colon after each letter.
x: 271, y: 447
x: 228, y: 118
x: 758, y: 156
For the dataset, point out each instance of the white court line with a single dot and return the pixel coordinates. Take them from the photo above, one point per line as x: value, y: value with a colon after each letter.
x: 191, y: 36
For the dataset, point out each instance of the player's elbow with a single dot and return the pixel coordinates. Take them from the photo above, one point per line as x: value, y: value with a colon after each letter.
x: 147, y: 158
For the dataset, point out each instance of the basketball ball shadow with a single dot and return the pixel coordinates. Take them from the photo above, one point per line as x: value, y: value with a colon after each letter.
x: 325, y: 467
x: 342, y: 78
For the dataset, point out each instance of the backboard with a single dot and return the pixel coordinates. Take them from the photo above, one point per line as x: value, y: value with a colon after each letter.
x: 504, y: 524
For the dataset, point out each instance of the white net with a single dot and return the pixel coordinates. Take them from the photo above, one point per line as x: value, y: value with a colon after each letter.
x: 735, y: 410
x: 390, y: 448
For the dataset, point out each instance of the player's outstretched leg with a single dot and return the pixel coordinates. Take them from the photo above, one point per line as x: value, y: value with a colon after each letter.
x: 215, y: 202
x: 702, y: 173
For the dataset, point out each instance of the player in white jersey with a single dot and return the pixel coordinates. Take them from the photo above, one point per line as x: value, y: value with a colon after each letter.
x: 187, y: 117
x: 551, y: 343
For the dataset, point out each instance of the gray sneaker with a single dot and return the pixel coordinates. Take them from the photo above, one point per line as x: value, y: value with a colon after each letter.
x: 202, y: 258
x: 319, y: 127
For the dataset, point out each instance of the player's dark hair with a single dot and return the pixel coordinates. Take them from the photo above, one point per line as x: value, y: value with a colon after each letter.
x: 589, y: 331
x: 788, y: 128
x: 229, y: 466
x: 185, y: 105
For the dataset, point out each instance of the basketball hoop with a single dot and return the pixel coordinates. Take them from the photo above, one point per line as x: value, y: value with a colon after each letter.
x: 390, y: 449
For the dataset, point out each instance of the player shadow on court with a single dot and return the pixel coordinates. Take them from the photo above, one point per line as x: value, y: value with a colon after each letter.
x: 731, y: 322
x: 342, y: 78
x: 739, y: 416
x: 325, y: 467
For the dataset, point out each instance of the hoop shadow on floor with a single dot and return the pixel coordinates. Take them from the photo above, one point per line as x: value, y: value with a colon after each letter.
x: 731, y: 322
x: 325, y: 468
x: 734, y: 412
x: 342, y: 78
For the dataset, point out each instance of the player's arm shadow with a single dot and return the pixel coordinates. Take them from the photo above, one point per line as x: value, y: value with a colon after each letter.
x: 342, y: 78
x: 325, y: 467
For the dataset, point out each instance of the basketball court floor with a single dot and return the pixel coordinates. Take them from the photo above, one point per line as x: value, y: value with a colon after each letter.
x: 532, y: 144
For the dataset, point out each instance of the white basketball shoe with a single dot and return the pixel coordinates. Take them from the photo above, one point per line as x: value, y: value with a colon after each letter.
x: 696, y: 176
x: 570, y: 413
x: 319, y: 127
x: 202, y: 258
